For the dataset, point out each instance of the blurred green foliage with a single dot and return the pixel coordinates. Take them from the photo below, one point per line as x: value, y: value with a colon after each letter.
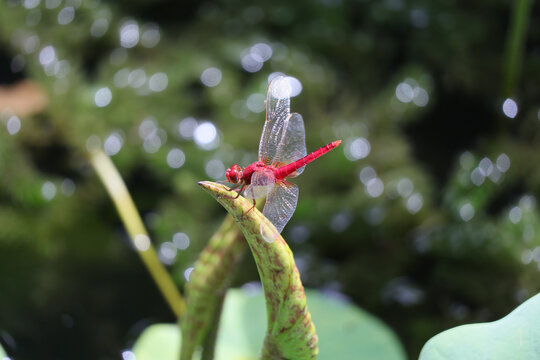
x: 451, y: 239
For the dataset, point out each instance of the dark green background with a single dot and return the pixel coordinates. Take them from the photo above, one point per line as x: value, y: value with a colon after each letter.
x: 71, y: 287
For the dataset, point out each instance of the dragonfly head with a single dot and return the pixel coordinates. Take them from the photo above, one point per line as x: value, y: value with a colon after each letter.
x: 234, y: 174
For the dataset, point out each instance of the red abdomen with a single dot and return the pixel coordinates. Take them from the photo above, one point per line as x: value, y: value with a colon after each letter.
x: 284, y: 171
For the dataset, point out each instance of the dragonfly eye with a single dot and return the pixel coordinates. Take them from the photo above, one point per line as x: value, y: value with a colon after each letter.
x: 234, y: 174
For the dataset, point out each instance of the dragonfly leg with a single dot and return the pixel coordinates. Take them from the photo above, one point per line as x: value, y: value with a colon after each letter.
x: 251, y: 208
x: 230, y: 188
x: 239, y: 191
x: 234, y: 188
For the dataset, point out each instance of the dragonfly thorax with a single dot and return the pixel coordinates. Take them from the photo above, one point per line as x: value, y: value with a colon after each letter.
x: 234, y: 174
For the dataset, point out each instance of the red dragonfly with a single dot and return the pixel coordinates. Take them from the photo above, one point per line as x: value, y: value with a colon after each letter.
x: 282, y: 155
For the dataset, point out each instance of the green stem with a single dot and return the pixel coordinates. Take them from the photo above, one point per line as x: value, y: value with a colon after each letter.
x: 125, y: 206
x: 209, y: 344
x: 290, y: 332
x: 208, y: 283
x: 515, y: 45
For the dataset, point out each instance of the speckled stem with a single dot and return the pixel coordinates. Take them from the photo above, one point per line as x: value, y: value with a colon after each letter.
x: 291, y: 333
x: 207, y: 286
x: 209, y: 344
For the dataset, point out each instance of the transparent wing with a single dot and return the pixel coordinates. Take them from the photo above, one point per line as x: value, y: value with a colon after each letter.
x: 281, y: 203
x: 261, y: 183
x: 292, y: 145
x: 277, y: 111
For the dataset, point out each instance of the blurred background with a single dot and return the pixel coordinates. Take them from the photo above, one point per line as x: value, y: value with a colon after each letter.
x: 426, y: 216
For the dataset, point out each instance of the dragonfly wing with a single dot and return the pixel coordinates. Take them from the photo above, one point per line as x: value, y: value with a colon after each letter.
x: 292, y: 145
x: 281, y: 203
x: 261, y: 183
x: 277, y: 111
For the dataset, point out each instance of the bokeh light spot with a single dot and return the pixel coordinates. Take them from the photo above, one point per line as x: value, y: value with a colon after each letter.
x: 120, y: 78
x: 466, y: 211
x: 503, y: 163
x: 404, y: 92
x: 414, y: 203
x: 341, y: 221
x: 176, y: 158
x: 187, y: 272
x: 103, y: 97
x: 66, y: 15
x: 13, y: 125
x: 421, y: 97
x: 358, y: 148
x: 186, y: 127
x: 167, y: 253
x: 181, y: 240
x: 158, y: 82
x: 129, y: 34
x: 47, y: 55
x: 281, y: 88
x: 366, y: 174
x: 215, y: 168
x: 31, y: 4
x: 151, y: 35
x: 256, y: 103
x: 405, y: 187
x: 477, y: 176
x: 51, y: 4
x: 93, y: 143
x: 99, y: 27
x: 206, y: 136
x: 419, y: 18
x: 296, y: 86
x: 486, y: 166
x: 515, y: 214
x: 68, y: 187
x: 299, y: 234
x: 142, y: 242
x: 48, y: 190
x: 374, y: 187
x: 113, y: 144
x: 264, y: 51
x: 128, y: 355
x: 252, y: 62
x: 137, y: 78
x: 211, y: 77
x: 510, y: 108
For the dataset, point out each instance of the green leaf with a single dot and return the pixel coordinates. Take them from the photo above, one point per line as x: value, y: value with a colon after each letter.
x: 290, y: 332
x: 515, y: 336
x: 348, y: 332
x: 159, y: 341
x: 2, y: 352
x: 345, y: 331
